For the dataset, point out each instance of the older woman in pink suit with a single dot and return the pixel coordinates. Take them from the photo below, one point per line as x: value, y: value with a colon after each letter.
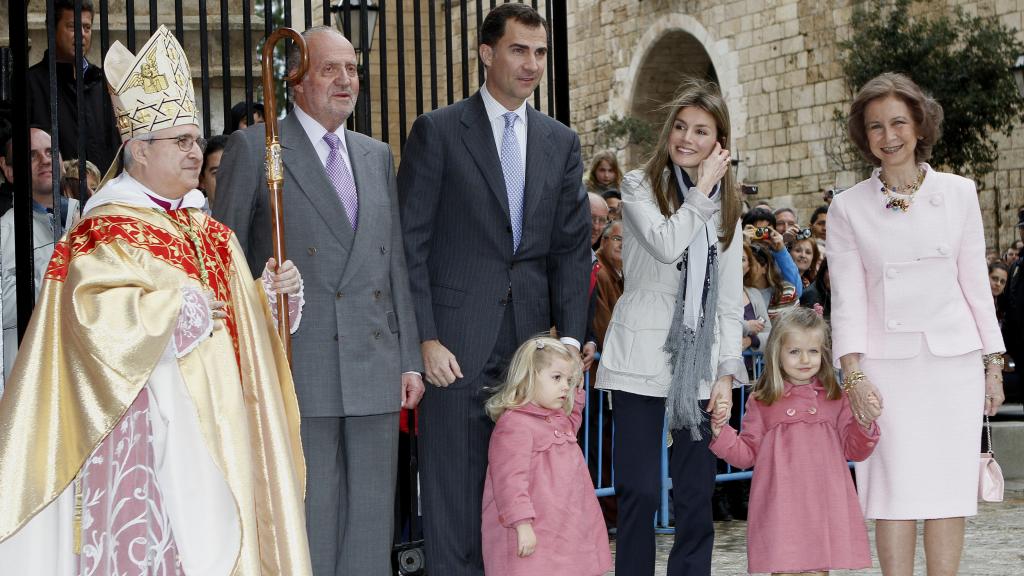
x: 914, y: 325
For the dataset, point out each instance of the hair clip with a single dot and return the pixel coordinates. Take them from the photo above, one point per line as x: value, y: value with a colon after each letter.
x: 803, y: 234
x: 540, y: 344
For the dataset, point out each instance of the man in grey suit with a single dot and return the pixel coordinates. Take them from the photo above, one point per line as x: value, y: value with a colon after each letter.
x: 355, y: 356
x: 497, y: 240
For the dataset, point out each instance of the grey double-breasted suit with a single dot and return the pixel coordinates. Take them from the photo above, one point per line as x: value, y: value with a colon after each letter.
x: 358, y: 331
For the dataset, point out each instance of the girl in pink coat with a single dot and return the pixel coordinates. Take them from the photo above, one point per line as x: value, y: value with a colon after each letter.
x: 798, y: 433
x: 540, y: 515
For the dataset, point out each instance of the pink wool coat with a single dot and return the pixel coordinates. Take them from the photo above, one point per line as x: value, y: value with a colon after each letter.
x: 536, y: 473
x: 803, y: 514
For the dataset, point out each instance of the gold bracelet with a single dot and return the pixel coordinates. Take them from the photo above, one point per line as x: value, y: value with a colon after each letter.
x: 851, y: 380
x: 994, y: 359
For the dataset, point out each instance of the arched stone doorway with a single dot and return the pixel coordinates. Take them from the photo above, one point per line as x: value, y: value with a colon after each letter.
x: 673, y: 47
x: 677, y: 55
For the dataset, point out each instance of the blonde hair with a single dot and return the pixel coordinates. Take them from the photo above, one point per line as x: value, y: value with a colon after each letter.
x: 534, y: 355
x: 707, y: 97
x: 770, y: 386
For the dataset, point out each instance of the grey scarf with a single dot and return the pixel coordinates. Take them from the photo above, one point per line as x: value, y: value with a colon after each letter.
x: 689, y: 348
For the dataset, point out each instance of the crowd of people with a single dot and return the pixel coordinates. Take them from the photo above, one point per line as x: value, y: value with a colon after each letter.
x: 152, y: 418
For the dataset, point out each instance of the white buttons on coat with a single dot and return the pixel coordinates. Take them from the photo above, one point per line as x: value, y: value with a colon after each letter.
x: 893, y: 324
x: 942, y: 249
x: 936, y: 200
x: 892, y: 273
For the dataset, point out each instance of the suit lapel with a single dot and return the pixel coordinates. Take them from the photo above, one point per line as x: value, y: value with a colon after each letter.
x: 369, y: 181
x: 538, y: 153
x: 479, y: 140
x: 302, y: 162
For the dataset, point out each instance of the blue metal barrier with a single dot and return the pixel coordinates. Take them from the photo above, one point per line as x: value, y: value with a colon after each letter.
x: 662, y: 518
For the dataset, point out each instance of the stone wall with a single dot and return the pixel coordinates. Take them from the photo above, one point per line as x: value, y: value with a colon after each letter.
x: 777, y: 63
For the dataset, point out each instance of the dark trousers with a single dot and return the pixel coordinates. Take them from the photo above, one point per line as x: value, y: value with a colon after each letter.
x: 454, y: 433
x: 639, y: 428
x: 692, y: 467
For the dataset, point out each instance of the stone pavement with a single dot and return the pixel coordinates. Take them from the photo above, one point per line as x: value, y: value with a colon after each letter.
x: 994, y: 544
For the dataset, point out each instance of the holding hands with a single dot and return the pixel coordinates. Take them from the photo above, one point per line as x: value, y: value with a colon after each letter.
x: 720, y: 404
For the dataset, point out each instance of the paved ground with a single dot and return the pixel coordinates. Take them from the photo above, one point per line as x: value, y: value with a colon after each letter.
x: 995, y: 543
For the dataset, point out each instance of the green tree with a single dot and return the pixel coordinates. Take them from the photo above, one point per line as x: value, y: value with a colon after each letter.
x: 619, y: 132
x: 963, y: 61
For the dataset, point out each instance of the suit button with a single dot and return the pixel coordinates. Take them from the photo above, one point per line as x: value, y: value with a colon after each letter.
x: 377, y: 294
x: 311, y: 250
x: 942, y: 249
x: 376, y: 334
x: 557, y: 433
x: 508, y: 229
x: 936, y: 200
x: 892, y: 324
x: 511, y: 265
x: 812, y: 410
x: 383, y: 249
x: 791, y: 412
x: 892, y: 273
x: 338, y: 296
x: 335, y: 337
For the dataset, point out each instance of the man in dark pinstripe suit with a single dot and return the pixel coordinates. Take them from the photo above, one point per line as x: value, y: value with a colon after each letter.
x: 496, y: 234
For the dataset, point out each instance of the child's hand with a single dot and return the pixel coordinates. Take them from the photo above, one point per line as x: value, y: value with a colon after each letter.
x: 527, y: 539
x: 716, y: 429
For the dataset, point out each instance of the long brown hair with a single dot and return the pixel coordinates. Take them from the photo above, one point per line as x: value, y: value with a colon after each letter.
x: 591, y: 179
x: 706, y: 96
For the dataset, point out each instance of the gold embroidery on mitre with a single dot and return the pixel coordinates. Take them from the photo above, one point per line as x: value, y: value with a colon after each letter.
x: 149, y: 76
x: 153, y: 90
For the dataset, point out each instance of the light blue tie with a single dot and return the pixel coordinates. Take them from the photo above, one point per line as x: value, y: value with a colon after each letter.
x: 515, y: 176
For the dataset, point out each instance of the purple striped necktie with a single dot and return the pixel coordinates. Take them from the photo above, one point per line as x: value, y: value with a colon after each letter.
x: 341, y: 177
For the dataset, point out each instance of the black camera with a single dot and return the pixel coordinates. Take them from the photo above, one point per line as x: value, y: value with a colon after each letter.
x: 750, y: 189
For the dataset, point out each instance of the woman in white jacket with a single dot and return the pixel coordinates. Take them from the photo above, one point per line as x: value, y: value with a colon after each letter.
x: 674, y: 338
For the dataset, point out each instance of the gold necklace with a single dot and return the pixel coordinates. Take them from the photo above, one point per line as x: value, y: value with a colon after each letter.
x: 190, y: 233
x: 900, y: 204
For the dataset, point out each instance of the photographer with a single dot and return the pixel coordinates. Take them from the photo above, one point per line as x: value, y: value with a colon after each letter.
x: 759, y: 228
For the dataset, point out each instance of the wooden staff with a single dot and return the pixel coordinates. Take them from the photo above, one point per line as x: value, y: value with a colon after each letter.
x: 274, y: 167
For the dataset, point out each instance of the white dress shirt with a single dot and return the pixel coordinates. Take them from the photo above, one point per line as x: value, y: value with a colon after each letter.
x: 315, y: 131
x: 495, y: 113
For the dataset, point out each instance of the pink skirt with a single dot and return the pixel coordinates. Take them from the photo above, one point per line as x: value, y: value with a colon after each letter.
x: 926, y: 463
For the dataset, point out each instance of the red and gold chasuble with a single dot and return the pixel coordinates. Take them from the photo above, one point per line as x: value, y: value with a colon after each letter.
x: 105, y: 317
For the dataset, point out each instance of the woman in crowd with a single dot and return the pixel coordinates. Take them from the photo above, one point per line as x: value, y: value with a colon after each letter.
x: 819, y: 293
x: 674, y: 337
x: 757, y: 326
x: 604, y: 173
x: 914, y: 326
x: 764, y: 276
x: 806, y: 255
x: 998, y: 274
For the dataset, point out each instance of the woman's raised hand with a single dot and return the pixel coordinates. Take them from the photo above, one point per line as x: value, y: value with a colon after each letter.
x: 712, y: 169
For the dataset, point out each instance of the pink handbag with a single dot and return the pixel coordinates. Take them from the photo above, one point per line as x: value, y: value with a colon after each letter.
x: 990, y: 482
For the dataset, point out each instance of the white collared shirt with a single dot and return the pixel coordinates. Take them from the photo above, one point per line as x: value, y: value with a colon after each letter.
x: 495, y: 113
x: 315, y: 131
